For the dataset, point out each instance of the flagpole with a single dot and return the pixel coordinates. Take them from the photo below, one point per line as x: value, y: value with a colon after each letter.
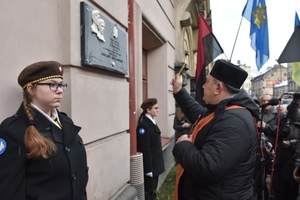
x: 235, y: 39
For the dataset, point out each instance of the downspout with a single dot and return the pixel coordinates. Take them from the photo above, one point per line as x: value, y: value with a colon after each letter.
x: 132, y: 103
x: 136, y: 158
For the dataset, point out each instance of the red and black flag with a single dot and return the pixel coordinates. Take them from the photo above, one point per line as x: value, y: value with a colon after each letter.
x: 208, y: 49
x: 291, y: 52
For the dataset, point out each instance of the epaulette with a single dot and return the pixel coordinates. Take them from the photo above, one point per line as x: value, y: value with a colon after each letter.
x: 8, y: 121
x: 64, y: 113
x: 66, y: 117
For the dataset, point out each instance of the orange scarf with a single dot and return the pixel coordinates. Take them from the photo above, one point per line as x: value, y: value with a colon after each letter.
x: 194, y: 133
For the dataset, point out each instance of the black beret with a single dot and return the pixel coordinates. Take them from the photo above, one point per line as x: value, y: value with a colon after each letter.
x: 40, y: 71
x: 229, y: 73
x: 148, y: 103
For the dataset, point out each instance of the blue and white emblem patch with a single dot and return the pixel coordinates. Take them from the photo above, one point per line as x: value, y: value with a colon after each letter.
x: 141, y: 131
x: 2, y: 146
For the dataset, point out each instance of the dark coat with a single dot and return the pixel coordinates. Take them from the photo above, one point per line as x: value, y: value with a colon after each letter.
x: 294, y: 116
x: 293, y: 111
x: 177, y: 126
x: 270, y: 131
x: 220, y: 165
x: 64, y: 176
x: 149, y: 143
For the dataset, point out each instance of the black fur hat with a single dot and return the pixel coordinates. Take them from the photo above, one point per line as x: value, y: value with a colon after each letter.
x: 229, y: 73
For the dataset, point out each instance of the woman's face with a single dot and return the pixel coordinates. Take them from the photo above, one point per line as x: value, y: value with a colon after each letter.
x: 45, y: 98
x: 153, y: 112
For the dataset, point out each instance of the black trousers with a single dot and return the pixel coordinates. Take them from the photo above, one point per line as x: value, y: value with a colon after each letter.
x: 260, y: 184
x: 150, y: 184
x: 291, y: 189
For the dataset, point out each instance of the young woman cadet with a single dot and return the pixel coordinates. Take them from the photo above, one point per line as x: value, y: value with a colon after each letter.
x: 149, y: 143
x: 41, y: 154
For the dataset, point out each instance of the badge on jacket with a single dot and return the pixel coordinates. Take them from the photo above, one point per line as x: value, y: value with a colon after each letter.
x: 2, y: 146
x: 141, y: 131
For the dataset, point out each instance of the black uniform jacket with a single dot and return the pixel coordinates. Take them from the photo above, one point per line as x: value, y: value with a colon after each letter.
x: 149, y: 143
x: 220, y: 164
x: 62, y: 177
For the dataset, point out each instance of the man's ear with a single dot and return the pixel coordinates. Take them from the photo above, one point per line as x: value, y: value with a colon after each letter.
x: 219, y: 87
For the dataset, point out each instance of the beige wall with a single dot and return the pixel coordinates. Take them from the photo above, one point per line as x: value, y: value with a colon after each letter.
x: 30, y: 32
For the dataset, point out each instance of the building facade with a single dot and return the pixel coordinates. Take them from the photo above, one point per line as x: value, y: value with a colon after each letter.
x: 280, y: 89
x: 247, y: 84
x: 264, y: 83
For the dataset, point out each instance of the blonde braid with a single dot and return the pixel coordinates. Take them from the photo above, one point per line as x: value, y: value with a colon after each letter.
x: 38, y: 145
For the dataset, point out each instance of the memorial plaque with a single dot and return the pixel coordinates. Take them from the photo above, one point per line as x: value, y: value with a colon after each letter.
x: 103, y: 42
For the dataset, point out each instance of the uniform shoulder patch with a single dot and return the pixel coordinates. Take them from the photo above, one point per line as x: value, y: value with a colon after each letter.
x: 2, y: 146
x: 141, y: 131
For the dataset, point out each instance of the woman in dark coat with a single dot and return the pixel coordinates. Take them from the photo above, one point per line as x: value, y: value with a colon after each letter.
x: 149, y: 143
x: 41, y: 154
x: 181, y: 124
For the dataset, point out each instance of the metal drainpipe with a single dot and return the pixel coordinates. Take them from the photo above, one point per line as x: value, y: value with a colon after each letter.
x: 132, y: 103
x: 136, y: 159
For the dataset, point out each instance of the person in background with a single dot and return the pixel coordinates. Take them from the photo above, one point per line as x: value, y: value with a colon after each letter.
x: 281, y: 108
x: 217, y: 160
x: 181, y: 124
x: 41, y: 154
x: 292, y: 150
x: 274, y: 126
x: 149, y: 143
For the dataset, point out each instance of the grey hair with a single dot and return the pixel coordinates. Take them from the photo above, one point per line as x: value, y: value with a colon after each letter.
x: 228, y: 88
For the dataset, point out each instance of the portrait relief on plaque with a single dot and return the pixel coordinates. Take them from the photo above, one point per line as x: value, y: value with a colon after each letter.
x: 98, y: 25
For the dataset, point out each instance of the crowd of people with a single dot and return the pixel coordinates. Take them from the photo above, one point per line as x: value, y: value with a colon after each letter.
x: 231, y: 148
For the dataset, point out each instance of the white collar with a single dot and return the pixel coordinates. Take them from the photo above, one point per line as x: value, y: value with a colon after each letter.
x: 54, y: 111
x: 152, y: 119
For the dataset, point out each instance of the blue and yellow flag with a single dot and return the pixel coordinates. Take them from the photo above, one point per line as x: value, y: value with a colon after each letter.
x: 297, y: 21
x: 255, y: 11
x: 296, y: 65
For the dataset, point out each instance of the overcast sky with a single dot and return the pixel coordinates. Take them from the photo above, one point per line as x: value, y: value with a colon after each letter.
x: 226, y: 18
